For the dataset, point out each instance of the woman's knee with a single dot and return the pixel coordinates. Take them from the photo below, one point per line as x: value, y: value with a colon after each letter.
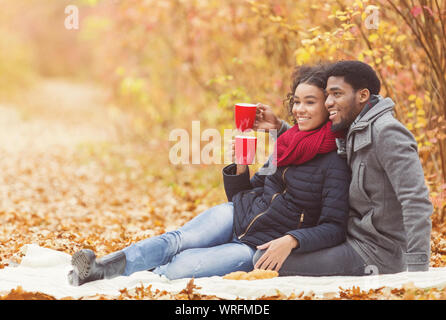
x: 225, y: 210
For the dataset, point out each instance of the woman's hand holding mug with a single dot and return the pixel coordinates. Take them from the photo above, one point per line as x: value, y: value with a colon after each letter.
x: 240, y: 167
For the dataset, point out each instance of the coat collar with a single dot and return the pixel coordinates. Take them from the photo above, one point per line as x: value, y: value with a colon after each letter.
x: 362, y: 121
x: 362, y: 125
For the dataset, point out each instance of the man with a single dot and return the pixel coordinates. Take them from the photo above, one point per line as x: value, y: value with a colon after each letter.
x: 389, y: 221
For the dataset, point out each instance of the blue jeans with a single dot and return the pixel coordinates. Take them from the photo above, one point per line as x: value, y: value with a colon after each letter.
x: 205, y: 246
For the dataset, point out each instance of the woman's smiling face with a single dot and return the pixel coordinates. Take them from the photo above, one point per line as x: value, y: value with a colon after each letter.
x: 309, y: 107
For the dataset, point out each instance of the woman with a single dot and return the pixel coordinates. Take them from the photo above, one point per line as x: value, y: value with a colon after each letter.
x: 302, y: 206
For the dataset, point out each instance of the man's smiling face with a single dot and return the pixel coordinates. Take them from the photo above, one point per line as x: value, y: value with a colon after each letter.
x: 343, y: 103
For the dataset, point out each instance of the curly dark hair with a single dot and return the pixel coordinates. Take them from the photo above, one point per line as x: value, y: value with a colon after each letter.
x: 357, y: 74
x: 315, y: 75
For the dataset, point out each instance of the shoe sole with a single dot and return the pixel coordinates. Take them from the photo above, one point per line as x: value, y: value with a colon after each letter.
x: 82, y: 262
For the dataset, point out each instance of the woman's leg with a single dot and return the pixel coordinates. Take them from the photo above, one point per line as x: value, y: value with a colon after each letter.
x: 210, y: 228
x: 341, y: 260
x: 208, y: 262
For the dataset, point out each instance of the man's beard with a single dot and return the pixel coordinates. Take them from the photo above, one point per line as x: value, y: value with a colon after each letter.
x: 347, y: 121
x: 342, y: 125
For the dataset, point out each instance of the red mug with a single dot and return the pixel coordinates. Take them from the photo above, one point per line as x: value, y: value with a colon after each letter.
x: 245, y: 115
x: 245, y: 149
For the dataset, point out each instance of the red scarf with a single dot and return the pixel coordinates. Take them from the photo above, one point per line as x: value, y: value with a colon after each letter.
x: 296, y: 147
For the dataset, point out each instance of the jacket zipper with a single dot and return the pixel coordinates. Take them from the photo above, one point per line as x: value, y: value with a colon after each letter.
x: 301, y: 218
x: 249, y: 225
x: 283, y: 174
x: 263, y: 212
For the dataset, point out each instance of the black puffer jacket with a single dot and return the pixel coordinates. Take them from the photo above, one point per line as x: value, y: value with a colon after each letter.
x: 308, y: 201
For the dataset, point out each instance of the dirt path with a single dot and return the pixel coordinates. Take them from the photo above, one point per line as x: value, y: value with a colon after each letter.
x: 67, y: 179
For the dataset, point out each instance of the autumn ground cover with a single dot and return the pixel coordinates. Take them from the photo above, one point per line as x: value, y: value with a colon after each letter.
x: 85, y: 114
x: 68, y: 181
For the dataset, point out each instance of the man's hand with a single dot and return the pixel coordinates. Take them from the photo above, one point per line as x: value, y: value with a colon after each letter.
x: 266, y: 119
x: 276, y: 253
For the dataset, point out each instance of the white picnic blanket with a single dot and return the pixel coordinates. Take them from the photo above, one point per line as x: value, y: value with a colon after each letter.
x: 45, y: 270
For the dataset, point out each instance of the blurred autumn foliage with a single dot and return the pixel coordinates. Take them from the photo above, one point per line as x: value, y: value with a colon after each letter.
x: 165, y: 63
x: 174, y: 61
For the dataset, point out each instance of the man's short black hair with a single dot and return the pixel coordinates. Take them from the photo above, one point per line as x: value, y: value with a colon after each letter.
x: 357, y: 74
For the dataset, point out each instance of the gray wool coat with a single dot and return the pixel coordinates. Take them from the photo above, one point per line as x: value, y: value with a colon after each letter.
x: 389, y: 223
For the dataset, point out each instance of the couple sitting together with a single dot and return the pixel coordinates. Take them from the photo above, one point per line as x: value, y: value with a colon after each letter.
x: 348, y: 196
